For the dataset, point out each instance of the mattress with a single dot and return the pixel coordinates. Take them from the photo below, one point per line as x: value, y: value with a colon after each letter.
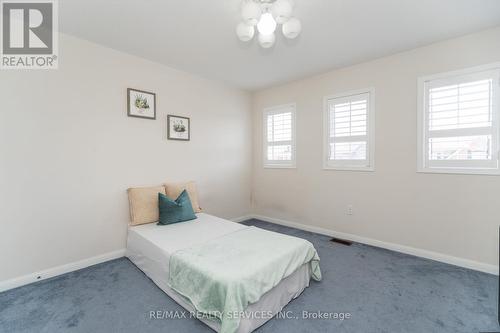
x: 150, y: 246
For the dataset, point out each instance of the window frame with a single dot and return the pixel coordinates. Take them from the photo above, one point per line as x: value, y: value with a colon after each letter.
x: 350, y: 165
x: 277, y: 164
x: 424, y: 165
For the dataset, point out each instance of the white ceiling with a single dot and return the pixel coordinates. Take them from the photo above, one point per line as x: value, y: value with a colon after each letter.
x: 198, y: 36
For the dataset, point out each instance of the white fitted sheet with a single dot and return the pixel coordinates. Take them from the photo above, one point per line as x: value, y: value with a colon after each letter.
x: 150, y: 246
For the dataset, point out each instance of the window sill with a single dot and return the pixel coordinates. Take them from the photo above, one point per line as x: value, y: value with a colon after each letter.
x: 348, y: 168
x: 278, y: 166
x: 484, y: 172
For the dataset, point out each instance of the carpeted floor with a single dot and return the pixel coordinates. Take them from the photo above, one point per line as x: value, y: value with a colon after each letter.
x: 383, y: 291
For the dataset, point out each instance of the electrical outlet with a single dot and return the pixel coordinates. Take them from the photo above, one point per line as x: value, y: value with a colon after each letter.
x: 349, y: 210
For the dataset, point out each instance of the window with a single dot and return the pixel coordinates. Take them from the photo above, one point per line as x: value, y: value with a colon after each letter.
x: 458, y: 122
x: 349, y: 131
x: 279, y: 136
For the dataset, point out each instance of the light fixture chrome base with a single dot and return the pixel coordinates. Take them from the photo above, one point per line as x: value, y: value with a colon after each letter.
x: 264, y: 16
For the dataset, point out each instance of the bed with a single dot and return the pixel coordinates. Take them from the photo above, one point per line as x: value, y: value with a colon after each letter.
x: 151, y: 247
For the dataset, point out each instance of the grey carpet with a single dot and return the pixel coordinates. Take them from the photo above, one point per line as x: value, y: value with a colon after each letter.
x: 383, y: 291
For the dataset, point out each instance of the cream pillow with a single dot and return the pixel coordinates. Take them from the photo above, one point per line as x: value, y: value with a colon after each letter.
x: 143, y: 203
x: 175, y: 189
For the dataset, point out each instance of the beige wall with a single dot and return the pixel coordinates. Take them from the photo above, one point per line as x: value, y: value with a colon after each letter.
x: 68, y: 152
x: 455, y: 215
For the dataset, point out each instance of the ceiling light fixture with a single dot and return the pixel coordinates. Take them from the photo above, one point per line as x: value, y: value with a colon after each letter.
x: 266, y: 15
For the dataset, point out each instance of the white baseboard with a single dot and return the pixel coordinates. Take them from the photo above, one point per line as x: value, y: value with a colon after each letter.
x: 51, y: 272
x: 242, y: 218
x: 466, y: 263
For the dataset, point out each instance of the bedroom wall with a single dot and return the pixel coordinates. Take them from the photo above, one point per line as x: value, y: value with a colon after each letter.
x: 68, y: 152
x: 453, y: 215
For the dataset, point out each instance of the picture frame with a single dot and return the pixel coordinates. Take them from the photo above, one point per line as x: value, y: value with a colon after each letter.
x: 178, y: 128
x: 141, y: 104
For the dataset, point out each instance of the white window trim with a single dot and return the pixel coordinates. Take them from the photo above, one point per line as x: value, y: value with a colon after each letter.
x: 349, y: 166
x: 422, y: 150
x: 279, y: 164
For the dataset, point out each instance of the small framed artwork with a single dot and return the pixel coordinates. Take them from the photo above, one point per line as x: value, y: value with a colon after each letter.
x: 141, y: 104
x: 178, y: 128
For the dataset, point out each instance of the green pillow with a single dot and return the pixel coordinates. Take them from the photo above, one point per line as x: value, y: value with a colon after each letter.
x: 176, y: 211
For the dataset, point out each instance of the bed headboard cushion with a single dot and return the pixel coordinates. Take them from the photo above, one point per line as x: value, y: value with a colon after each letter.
x: 143, y: 203
x: 175, y: 189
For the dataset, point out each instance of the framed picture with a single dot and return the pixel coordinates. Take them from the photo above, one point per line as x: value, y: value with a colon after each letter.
x: 178, y: 128
x: 141, y: 104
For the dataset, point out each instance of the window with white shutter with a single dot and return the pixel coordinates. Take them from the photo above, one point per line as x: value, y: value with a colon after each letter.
x: 458, y: 122
x: 279, y: 136
x: 349, y: 131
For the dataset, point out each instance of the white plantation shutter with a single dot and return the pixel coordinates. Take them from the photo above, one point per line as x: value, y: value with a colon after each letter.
x: 348, y: 137
x: 279, y: 140
x: 460, y: 119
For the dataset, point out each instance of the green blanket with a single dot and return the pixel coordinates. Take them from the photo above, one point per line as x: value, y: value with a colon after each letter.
x: 223, y: 276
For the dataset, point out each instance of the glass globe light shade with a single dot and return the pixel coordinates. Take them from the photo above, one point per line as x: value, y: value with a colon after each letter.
x: 251, y: 12
x: 267, y: 24
x: 245, y: 32
x: 282, y: 10
x: 292, y: 28
x: 266, y: 41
